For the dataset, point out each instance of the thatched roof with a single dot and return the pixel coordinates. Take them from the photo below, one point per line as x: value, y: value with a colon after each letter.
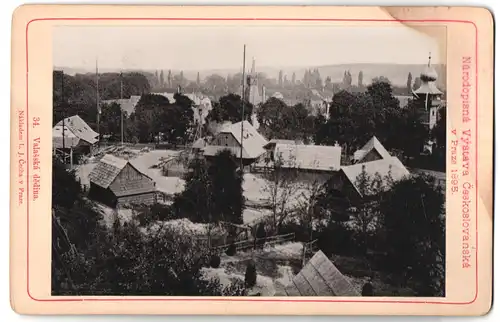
x: 320, y: 277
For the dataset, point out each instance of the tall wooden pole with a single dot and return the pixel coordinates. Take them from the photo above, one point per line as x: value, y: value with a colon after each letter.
x: 121, y: 101
x: 242, y: 108
x: 63, y: 114
x: 97, y: 102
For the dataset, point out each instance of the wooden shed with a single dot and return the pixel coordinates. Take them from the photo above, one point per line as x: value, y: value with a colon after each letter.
x: 115, y: 181
x: 320, y: 277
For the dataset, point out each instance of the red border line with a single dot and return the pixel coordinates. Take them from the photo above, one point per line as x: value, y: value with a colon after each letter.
x: 243, y: 299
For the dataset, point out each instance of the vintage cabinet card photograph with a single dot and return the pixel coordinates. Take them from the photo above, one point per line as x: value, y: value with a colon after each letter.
x: 251, y: 160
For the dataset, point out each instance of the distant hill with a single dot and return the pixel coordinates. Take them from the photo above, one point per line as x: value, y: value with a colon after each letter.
x: 396, y: 73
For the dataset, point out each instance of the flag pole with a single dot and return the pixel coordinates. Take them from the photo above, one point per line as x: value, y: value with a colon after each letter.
x: 242, y: 109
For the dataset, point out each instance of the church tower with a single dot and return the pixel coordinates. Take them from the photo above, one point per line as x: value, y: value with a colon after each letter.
x: 252, y: 89
x: 428, y: 95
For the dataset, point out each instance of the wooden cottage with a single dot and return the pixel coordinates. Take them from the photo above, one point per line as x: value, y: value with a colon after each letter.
x: 116, y: 181
x: 320, y: 277
x: 345, y: 182
x: 229, y: 138
x: 74, y: 133
x: 314, y: 163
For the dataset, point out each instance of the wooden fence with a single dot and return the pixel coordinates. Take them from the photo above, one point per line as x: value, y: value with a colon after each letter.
x: 251, y: 243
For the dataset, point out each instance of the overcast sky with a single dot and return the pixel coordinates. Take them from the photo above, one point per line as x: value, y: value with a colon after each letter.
x: 210, y: 47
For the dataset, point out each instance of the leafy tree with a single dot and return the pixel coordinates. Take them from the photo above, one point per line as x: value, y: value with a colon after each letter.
x: 229, y: 109
x: 195, y: 201
x: 65, y: 188
x: 111, y: 119
x: 250, y: 275
x: 364, y: 216
x: 409, y: 82
x: 227, y: 191
x: 417, y: 83
x: 413, y: 219
x: 281, y: 186
x: 360, y: 79
x: 260, y: 235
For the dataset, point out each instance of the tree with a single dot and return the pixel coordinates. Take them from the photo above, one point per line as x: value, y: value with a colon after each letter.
x: 162, y: 79
x: 413, y: 219
x: 328, y: 82
x: 409, y: 82
x: 417, y: 83
x: 111, y: 118
x: 195, y: 202
x: 250, y: 275
x: 365, y: 215
x: 229, y: 109
x: 65, y: 188
x: 281, y: 187
x: 260, y: 235
x: 227, y: 191
x: 360, y: 79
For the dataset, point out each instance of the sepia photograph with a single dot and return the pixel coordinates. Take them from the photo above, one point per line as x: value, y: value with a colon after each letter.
x: 249, y: 160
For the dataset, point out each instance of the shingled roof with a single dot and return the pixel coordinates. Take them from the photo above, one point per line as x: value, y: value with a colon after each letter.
x: 108, y: 168
x: 309, y: 157
x: 253, y: 142
x: 77, y: 126
x: 382, y: 167
x: 372, y: 144
x: 320, y: 277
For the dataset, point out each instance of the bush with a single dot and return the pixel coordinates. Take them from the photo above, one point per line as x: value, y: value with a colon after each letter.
x: 231, y: 250
x: 367, y: 290
x: 215, y: 261
x: 250, y: 275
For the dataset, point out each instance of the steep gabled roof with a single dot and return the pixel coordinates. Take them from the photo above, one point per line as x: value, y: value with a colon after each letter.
x: 79, y: 128
x: 253, y: 142
x: 372, y: 144
x: 382, y: 167
x: 309, y: 157
x: 108, y: 168
x: 320, y: 277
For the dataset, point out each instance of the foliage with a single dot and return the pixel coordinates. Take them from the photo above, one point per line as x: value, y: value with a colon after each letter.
x: 355, y: 118
x: 280, y: 187
x: 231, y: 250
x: 413, y: 218
x: 228, y: 108
x: 215, y: 261
x: 367, y: 290
x: 250, y: 275
x: 65, y: 188
x: 212, y: 192
x: 195, y: 201
x: 226, y: 188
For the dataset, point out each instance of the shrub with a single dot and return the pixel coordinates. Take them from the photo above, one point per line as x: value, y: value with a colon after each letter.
x: 250, y: 275
x: 367, y: 290
x: 231, y: 250
x: 215, y: 261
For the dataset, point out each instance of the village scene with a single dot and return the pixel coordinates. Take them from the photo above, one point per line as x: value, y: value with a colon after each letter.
x: 317, y: 181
